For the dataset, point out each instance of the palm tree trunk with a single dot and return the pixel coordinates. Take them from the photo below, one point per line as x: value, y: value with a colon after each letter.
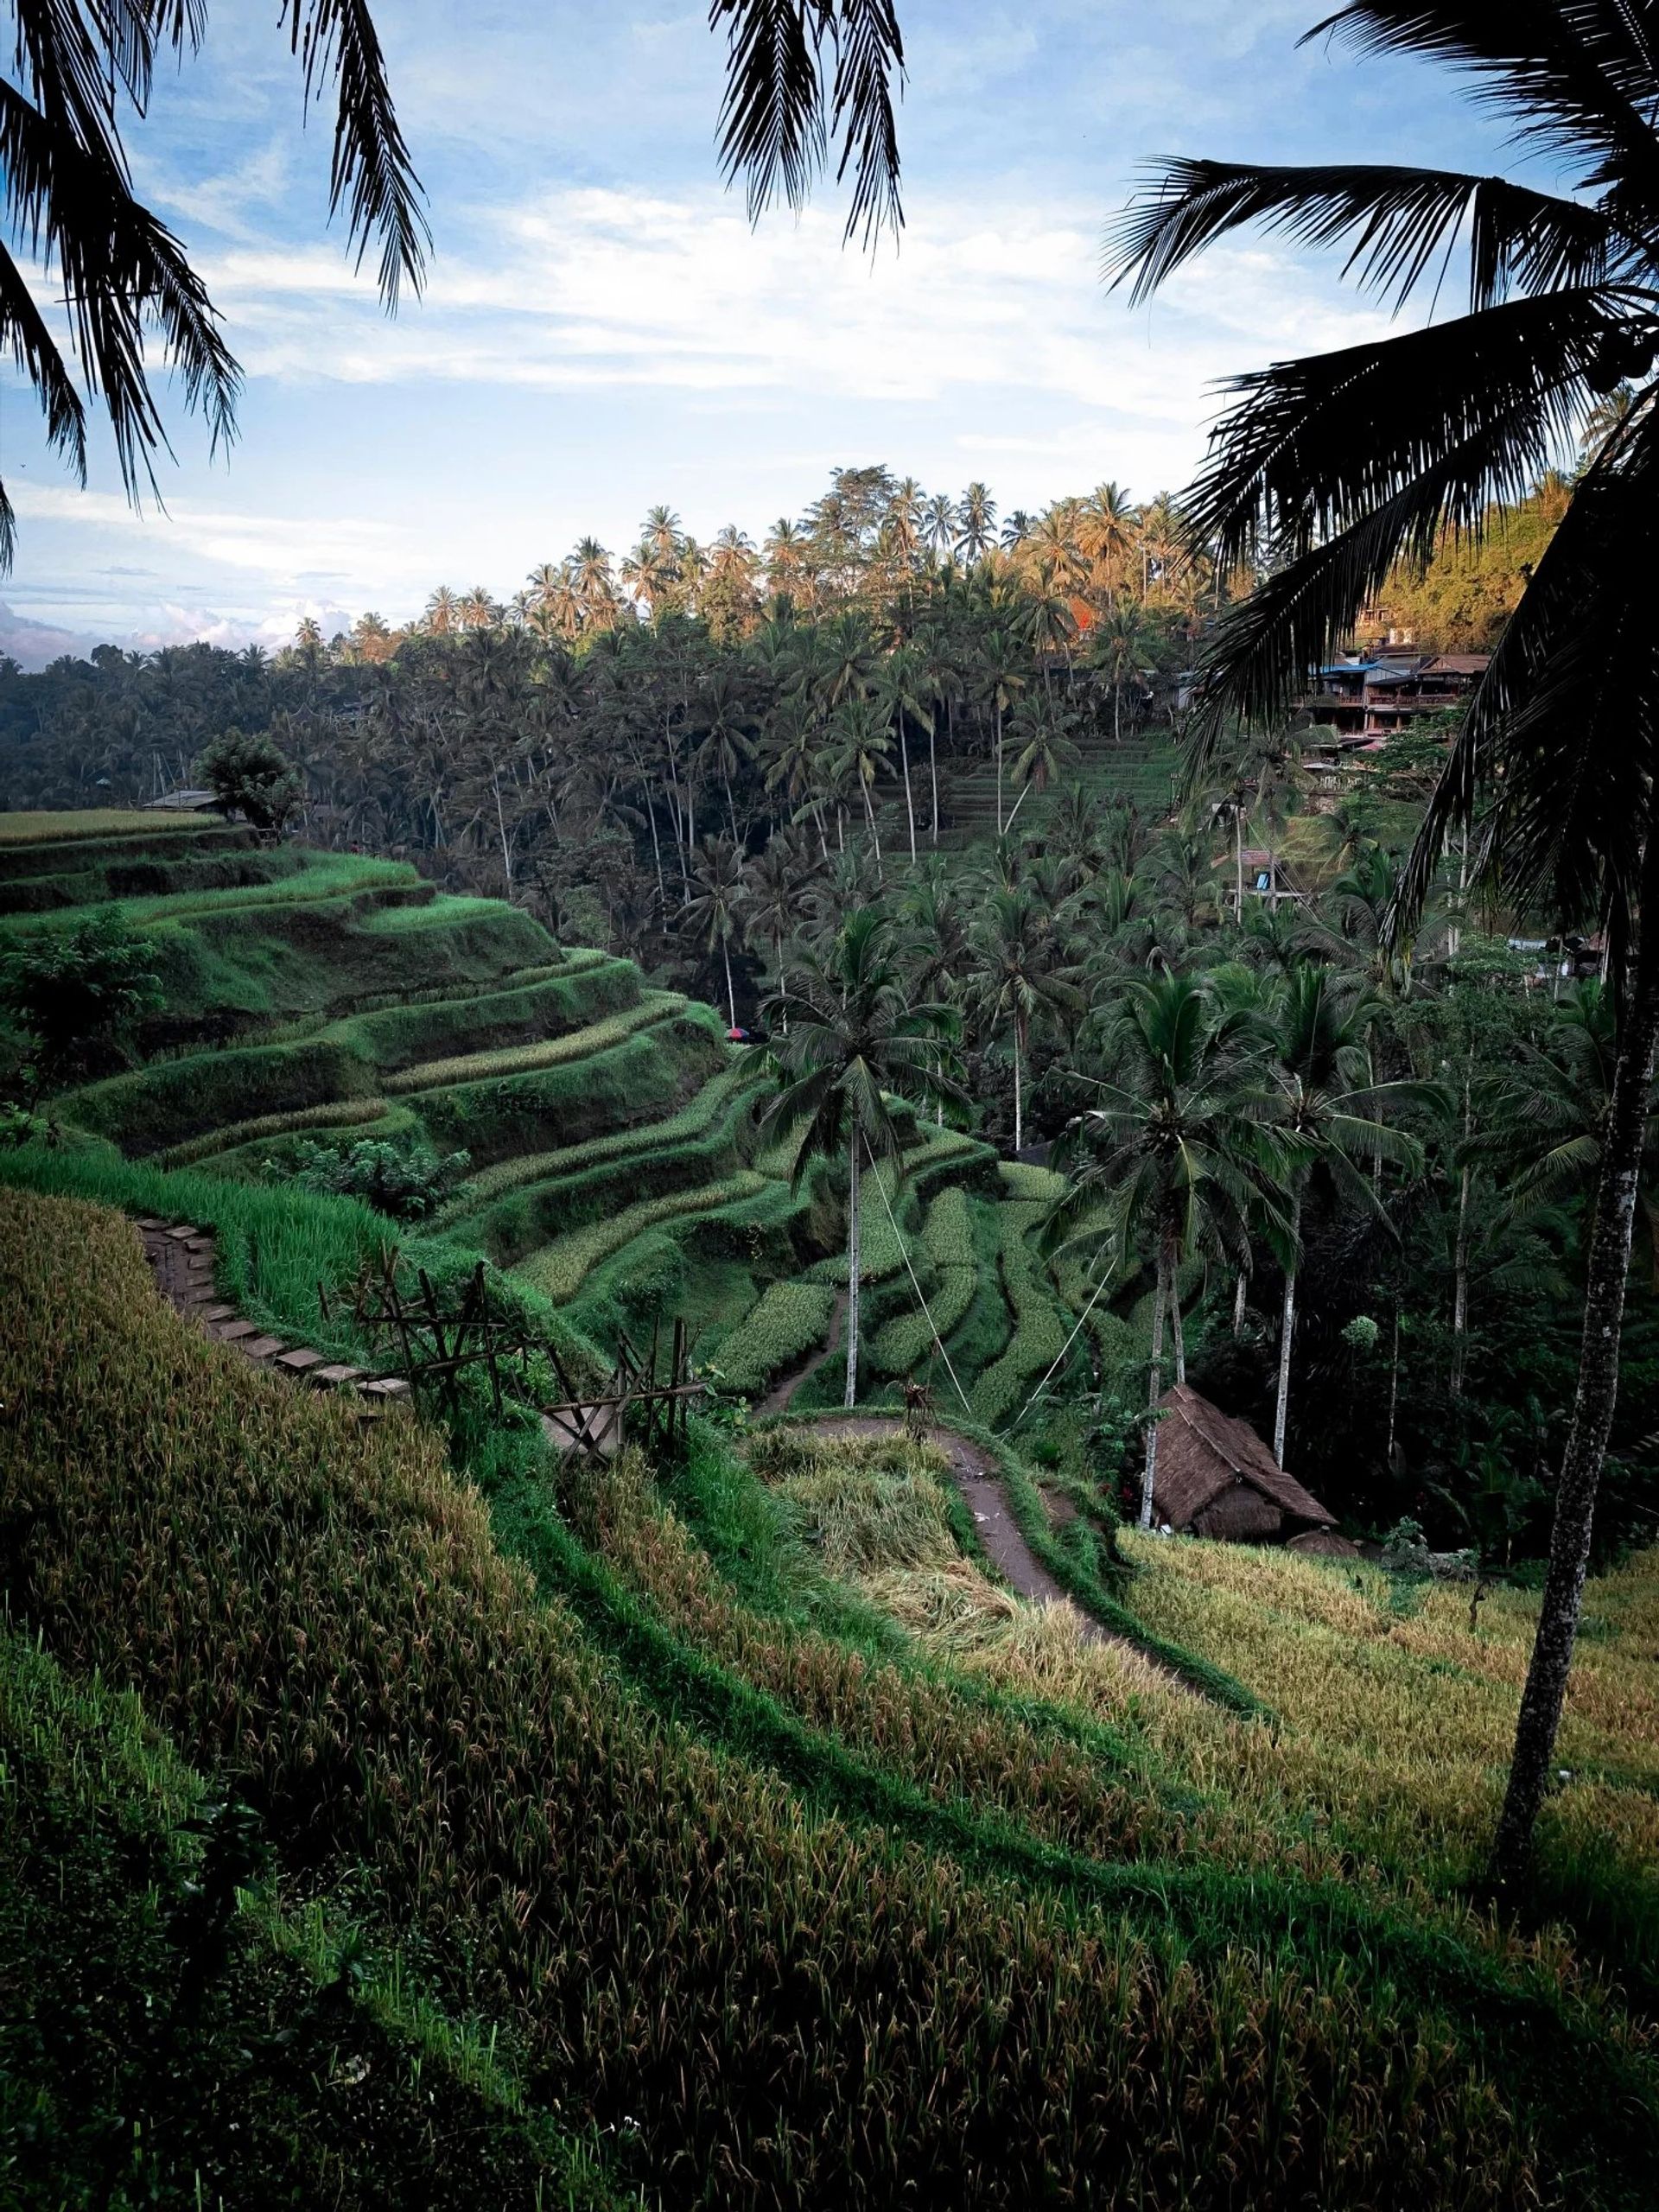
x: 999, y: 771
x: 910, y: 804
x: 1461, y: 1286
x: 1177, y: 1327
x: 851, y: 1398
x: 731, y: 995
x: 1594, y: 1402
x: 1238, y: 863
x: 1393, y: 1390
x: 875, y: 835
x: 1019, y: 1120
x: 933, y: 771
x: 1287, y: 1335
x: 1240, y: 1291
x: 1154, y: 1387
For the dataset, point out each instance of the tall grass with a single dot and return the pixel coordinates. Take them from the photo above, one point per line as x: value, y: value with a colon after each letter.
x: 285, y: 2063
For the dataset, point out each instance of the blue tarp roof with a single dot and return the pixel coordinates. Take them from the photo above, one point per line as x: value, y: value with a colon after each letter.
x: 1349, y: 668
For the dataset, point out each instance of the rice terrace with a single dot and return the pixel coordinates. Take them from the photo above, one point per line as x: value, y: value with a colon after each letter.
x: 829, y: 1351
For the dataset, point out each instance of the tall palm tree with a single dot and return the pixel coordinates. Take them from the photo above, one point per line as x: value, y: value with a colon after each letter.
x: 1108, y: 532
x: 1343, y: 464
x: 720, y: 889
x: 901, y: 693
x: 940, y: 523
x: 976, y: 520
x: 1119, y: 645
x: 1002, y: 671
x: 1042, y: 733
x: 852, y: 1041
x: 859, y: 732
x: 1169, y: 1155
x: 1019, y: 977
x: 1332, y: 1116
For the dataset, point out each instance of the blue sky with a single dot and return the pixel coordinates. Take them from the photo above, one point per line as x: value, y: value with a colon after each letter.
x: 602, y: 329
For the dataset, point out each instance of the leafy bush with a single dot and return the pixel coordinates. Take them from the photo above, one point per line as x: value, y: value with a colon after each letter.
x: 74, y: 988
x: 252, y: 776
x: 409, y: 1181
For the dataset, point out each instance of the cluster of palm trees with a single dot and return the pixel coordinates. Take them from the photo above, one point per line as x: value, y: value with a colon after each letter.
x: 866, y: 541
x: 1217, y: 1087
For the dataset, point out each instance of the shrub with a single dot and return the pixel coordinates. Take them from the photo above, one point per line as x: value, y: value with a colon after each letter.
x: 74, y: 988
x: 252, y: 776
x: 409, y: 1181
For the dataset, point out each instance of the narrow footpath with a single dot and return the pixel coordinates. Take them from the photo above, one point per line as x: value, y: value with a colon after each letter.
x: 777, y: 1398
x: 182, y: 1258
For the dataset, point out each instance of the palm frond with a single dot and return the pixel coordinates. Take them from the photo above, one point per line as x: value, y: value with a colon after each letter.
x: 1579, y: 77
x: 373, y: 176
x: 785, y: 102
x: 120, y: 269
x: 1403, y: 224
x: 1473, y: 410
x: 34, y: 349
x: 1560, y: 728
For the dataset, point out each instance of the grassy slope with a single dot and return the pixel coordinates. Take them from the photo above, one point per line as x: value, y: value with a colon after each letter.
x: 719, y: 1940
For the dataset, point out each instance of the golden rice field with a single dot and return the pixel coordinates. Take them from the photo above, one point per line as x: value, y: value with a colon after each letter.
x: 758, y: 2000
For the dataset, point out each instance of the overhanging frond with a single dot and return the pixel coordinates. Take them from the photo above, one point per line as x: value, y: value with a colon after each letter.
x: 373, y: 176
x: 798, y: 73
x: 1400, y: 224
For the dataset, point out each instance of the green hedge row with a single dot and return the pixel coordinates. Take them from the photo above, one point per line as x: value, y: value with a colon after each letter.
x: 558, y: 1271
x: 1041, y: 1327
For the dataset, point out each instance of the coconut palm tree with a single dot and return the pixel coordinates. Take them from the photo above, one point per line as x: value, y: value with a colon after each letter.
x: 1045, y: 748
x: 720, y: 888
x: 852, y: 1041
x: 976, y: 524
x: 1108, y: 532
x: 1344, y: 464
x: 1332, y: 1116
x: 1169, y: 1154
x: 1002, y: 670
x: 901, y: 693
x: 1019, y: 977
x: 859, y: 733
x: 477, y: 609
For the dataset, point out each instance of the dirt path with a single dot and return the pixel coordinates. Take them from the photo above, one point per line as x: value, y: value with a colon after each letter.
x: 785, y: 1388
x: 975, y: 1474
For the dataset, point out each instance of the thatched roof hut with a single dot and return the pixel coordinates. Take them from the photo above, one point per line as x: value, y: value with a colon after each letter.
x: 1216, y: 1478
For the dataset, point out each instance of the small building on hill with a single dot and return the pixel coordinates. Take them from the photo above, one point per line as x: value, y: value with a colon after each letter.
x: 1215, y: 1477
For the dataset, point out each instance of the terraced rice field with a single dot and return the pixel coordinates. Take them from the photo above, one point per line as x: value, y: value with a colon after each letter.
x: 616, y: 1163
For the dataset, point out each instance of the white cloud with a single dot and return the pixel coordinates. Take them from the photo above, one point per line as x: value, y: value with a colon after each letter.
x: 588, y: 287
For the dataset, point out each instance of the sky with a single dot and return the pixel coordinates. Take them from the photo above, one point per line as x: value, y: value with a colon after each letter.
x: 602, y: 328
